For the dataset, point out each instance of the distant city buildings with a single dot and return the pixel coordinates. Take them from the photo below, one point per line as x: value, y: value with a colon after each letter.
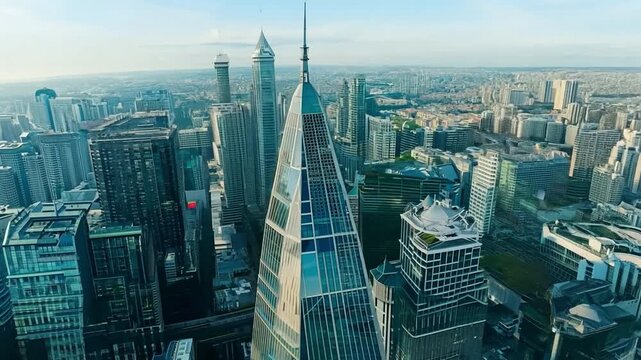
x: 351, y: 147
x: 591, y: 148
x: 66, y: 159
x: 381, y: 139
x: 221, y: 64
x: 607, y: 184
x: 530, y: 177
x: 564, y: 93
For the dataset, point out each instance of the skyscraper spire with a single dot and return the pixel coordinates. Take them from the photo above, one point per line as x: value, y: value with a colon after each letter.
x: 305, y: 58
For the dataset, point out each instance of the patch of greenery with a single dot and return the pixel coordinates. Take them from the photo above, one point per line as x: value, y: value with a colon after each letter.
x: 429, y: 239
x: 527, y: 279
x: 405, y: 156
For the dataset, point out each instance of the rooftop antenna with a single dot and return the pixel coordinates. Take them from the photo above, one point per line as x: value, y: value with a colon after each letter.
x: 305, y: 58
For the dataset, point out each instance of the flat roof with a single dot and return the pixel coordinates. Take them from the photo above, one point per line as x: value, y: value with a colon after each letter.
x: 44, y: 223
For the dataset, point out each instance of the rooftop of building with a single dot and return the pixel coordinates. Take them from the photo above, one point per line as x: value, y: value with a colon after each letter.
x: 114, y: 230
x: 178, y: 350
x: 441, y: 224
x: 388, y: 273
x: 549, y: 155
x: 584, y: 307
x: 600, y: 238
x: 150, y: 124
x: 414, y: 169
x: 45, y: 224
x: 10, y: 145
x: 262, y: 48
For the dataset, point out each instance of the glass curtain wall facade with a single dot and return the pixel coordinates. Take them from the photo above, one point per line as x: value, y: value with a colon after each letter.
x: 313, y: 297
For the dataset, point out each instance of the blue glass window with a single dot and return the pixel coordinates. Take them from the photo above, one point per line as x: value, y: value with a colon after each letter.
x: 308, y: 246
x: 311, y: 282
x: 307, y: 231
x: 325, y: 244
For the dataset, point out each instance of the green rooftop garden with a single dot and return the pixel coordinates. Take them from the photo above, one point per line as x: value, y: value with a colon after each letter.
x: 405, y: 156
x: 577, y: 239
x: 603, y: 231
x: 429, y: 239
x: 527, y: 279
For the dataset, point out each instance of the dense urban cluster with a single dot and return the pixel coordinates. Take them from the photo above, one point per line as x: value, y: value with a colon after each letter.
x: 395, y: 213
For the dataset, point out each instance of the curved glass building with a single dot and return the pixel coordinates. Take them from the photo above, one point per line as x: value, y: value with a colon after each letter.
x: 313, y: 298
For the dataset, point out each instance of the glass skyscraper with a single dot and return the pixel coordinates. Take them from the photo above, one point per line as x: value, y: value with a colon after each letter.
x: 313, y: 298
x: 45, y: 249
x: 267, y: 126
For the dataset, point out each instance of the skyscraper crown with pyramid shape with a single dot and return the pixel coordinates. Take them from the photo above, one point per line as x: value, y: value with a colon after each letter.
x: 313, y: 299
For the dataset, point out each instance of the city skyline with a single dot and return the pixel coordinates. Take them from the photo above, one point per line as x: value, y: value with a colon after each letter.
x: 541, y: 34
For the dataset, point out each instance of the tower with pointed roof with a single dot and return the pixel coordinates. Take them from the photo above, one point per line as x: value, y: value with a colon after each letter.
x: 313, y: 300
x: 266, y: 118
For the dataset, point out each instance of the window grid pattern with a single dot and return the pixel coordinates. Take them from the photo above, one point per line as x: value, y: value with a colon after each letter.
x: 313, y: 300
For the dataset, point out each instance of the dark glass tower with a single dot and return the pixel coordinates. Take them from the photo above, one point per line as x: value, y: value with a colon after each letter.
x: 134, y: 161
x: 313, y: 299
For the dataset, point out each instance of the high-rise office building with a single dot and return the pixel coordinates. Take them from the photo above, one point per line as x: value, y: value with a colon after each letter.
x: 352, y: 147
x: 230, y: 152
x: 267, y: 125
x: 9, y: 129
x: 575, y: 113
x: 41, y: 112
x: 546, y: 92
x: 66, y: 157
x: 386, y: 283
x: 35, y: 175
x: 442, y: 304
x: 591, y: 148
x: 484, y: 190
x: 196, y: 141
x: 487, y: 121
x: 154, y: 100
x: 381, y: 139
x: 313, y: 299
x: 342, y: 110
x: 9, y: 187
x: 610, y: 252
x: 607, y: 184
x: 555, y: 133
x: 383, y: 195
x: 127, y: 294
x: 13, y: 155
x: 137, y: 176
x: 453, y: 139
x: 530, y: 177
x: 221, y: 64
x: 565, y: 92
x: 48, y: 271
x: 8, y: 345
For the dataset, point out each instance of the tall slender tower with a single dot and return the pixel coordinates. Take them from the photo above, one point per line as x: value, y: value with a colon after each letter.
x: 221, y: 64
x: 267, y: 126
x: 313, y: 299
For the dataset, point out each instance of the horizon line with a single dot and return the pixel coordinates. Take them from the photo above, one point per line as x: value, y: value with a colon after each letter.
x: 125, y: 72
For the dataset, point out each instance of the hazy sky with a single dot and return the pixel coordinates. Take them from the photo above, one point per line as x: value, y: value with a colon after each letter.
x: 41, y: 38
